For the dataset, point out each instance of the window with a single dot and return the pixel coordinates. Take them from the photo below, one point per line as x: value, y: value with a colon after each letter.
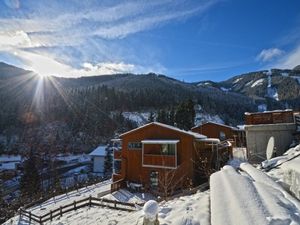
x: 168, y: 149
x: 134, y: 145
x: 154, y: 179
x: 222, y: 136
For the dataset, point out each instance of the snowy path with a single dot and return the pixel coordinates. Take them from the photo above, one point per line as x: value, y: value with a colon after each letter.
x: 251, y: 198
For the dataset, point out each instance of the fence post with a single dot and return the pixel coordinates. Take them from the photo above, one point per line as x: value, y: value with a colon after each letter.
x: 29, y: 217
x: 90, y: 201
x: 115, y: 203
x: 41, y: 222
x: 50, y: 215
x: 60, y: 211
x: 75, y: 205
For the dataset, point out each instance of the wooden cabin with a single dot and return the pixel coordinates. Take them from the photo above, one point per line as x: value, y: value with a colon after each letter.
x: 159, y: 158
x: 223, y: 132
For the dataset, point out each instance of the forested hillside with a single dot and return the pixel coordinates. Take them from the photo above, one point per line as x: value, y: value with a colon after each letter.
x: 78, y: 114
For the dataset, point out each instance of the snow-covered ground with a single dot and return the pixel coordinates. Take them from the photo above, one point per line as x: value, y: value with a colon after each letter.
x: 70, y: 158
x: 244, y: 195
x: 201, y: 118
x: 250, y: 197
x: 192, y: 209
x: 137, y: 117
x: 286, y: 170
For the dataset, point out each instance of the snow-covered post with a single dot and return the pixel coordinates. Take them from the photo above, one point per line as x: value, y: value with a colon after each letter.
x: 150, y: 213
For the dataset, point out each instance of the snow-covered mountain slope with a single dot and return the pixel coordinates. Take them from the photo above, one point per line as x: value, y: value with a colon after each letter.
x: 261, y: 84
x: 139, y: 118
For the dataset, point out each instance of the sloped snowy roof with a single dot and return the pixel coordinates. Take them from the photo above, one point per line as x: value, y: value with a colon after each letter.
x: 160, y: 141
x: 99, y: 151
x: 219, y: 124
x: 195, y: 135
x: 10, y: 158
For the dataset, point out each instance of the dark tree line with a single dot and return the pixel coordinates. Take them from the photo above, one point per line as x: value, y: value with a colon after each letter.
x: 182, y: 116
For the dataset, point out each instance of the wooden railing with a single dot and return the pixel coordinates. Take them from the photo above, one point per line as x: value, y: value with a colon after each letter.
x: 272, y: 117
x: 115, y: 186
x: 89, y: 201
x: 160, y: 160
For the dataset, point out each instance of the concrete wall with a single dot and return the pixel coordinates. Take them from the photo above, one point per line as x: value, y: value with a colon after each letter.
x: 98, y: 165
x: 257, y: 137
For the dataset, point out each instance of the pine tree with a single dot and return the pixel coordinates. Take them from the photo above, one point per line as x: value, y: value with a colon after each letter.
x: 108, y: 161
x: 30, y: 184
x: 151, y: 117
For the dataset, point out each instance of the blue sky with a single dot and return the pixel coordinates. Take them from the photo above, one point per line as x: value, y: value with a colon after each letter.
x: 187, y: 40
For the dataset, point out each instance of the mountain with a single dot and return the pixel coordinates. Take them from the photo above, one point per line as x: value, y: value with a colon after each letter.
x: 83, y: 112
x: 7, y: 71
x: 277, y: 88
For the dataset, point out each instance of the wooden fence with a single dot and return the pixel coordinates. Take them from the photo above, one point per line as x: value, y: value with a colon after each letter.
x: 89, y: 201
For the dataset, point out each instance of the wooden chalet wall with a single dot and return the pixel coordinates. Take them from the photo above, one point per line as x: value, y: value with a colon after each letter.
x: 132, y: 169
x: 212, y: 130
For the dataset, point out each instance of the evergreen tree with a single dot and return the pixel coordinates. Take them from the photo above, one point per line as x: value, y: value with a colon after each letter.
x: 185, y: 115
x: 151, y: 117
x: 108, y: 161
x: 162, y: 116
x: 30, y: 184
x: 171, y: 117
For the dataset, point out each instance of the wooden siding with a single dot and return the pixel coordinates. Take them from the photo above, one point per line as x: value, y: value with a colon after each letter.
x: 117, y: 154
x: 132, y: 169
x: 159, y: 160
x: 212, y: 130
x: 269, y: 117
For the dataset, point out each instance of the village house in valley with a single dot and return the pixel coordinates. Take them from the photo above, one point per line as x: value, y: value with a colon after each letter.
x: 160, y: 157
x: 223, y: 132
x: 98, y: 157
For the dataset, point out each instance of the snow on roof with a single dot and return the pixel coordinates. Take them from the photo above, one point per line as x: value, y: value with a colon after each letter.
x: 160, y: 141
x: 215, y: 140
x: 273, y: 111
x: 99, y: 151
x: 218, y: 124
x: 195, y: 135
x: 8, y: 166
x: 10, y: 158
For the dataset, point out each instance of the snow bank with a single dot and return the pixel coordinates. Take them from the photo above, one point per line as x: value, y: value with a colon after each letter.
x: 250, y: 198
x: 287, y: 170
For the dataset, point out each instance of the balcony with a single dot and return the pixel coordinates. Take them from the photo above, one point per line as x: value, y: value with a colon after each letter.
x: 168, y: 161
x: 160, y: 153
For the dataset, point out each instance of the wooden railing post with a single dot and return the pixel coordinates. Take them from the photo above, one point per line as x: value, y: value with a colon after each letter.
x: 115, y: 204
x: 90, y: 201
x: 50, y: 215
x: 41, y: 222
x: 75, y: 205
x: 29, y: 217
x: 60, y: 211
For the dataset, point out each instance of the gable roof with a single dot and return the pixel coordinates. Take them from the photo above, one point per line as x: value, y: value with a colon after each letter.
x: 99, y: 151
x: 191, y: 133
x: 218, y: 124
